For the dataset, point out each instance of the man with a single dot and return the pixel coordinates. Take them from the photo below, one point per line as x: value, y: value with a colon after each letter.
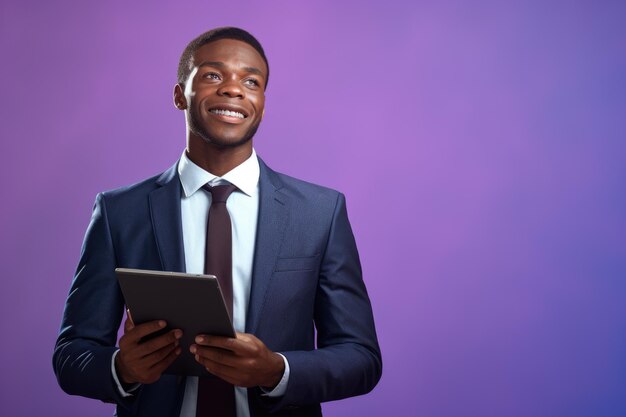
x: 305, y: 332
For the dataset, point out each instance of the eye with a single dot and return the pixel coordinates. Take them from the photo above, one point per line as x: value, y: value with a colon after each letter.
x: 251, y: 82
x: 211, y: 76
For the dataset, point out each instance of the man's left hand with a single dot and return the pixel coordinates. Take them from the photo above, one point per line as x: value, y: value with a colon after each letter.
x: 243, y: 361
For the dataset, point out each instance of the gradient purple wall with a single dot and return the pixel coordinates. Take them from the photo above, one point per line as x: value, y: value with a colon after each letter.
x: 494, y: 133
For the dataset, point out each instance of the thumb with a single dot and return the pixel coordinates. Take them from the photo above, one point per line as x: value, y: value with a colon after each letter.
x: 128, y: 324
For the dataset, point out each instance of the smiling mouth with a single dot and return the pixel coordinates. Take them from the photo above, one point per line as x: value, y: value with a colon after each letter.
x: 230, y: 113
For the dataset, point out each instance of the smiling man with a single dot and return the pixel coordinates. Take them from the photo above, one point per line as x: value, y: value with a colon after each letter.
x: 305, y: 331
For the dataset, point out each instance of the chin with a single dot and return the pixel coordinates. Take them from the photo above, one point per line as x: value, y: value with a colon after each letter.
x: 227, y: 141
x: 222, y: 141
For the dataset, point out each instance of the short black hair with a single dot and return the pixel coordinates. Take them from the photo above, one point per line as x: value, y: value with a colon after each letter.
x: 226, y: 32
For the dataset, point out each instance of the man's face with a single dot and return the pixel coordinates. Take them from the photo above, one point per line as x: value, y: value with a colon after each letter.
x: 225, y: 92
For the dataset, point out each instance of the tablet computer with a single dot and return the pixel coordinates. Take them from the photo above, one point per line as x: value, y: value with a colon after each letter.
x: 190, y: 302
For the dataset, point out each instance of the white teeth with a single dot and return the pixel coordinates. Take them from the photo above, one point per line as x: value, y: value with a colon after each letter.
x: 221, y: 112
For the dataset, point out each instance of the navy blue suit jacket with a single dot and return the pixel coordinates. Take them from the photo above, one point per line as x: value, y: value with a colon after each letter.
x: 307, y: 300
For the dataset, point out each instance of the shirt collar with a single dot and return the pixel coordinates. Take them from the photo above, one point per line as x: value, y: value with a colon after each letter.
x: 244, y: 176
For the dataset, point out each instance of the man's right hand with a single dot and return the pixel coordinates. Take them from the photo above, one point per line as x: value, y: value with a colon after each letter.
x: 145, y: 362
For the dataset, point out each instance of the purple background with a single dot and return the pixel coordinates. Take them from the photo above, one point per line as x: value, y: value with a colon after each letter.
x: 494, y: 134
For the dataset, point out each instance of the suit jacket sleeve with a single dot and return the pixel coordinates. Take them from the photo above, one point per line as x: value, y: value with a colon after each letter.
x: 347, y: 360
x: 92, y: 315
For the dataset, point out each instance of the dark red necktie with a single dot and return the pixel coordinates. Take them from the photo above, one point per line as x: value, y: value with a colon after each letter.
x: 216, y: 397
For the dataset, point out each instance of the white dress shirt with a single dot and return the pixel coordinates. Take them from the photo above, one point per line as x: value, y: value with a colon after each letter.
x: 243, y: 208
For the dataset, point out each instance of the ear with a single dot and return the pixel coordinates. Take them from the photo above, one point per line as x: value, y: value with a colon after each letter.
x: 180, y: 102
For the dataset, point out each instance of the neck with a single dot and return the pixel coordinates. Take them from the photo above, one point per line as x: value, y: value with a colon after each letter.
x: 216, y: 159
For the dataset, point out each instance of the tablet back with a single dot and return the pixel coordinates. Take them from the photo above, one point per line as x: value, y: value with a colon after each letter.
x: 190, y: 302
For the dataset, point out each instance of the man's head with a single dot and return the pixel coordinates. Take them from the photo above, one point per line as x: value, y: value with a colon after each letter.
x: 227, y: 32
x: 222, y: 76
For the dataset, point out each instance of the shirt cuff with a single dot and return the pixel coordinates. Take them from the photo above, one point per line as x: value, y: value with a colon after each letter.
x: 279, y: 390
x: 120, y: 388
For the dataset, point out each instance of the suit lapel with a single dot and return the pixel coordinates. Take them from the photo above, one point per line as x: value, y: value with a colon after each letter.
x: 273, y: 216
x: 166, y: 221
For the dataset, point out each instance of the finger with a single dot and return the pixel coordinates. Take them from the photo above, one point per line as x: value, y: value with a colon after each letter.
x: 154, y: 358
x: 222, y: 342
x: 161, y: 366
x: 134, y: 348
x: 149, y: 373
x: 243, y: 345
x: 150, y: 346
x: 130, y: 317
x: 217, y: 355
x: 221, y: 370
x: 229, y: 375
x: 234, y: 376
x: 141, y: 330
x: 128, y: 325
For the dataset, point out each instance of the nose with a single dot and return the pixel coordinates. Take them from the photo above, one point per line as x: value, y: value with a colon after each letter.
x: 230, y: 88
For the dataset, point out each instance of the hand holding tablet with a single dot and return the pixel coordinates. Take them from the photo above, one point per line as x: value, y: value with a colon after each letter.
x: 192, y: 303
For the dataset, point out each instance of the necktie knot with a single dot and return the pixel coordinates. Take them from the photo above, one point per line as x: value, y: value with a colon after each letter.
x: 220, y: 193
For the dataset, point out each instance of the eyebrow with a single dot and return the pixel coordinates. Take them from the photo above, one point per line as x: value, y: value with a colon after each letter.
x: 211, y: 64
x: 254, y: 70
x: 219, y: 64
